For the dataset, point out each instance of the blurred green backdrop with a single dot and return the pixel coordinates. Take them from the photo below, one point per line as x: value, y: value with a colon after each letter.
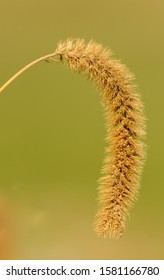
x: 52, y: 130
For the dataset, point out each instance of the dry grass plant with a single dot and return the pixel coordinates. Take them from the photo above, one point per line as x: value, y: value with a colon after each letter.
x: 121, y: 173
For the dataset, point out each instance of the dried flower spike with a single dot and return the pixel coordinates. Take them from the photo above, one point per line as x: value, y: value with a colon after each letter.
x: 125, y: 123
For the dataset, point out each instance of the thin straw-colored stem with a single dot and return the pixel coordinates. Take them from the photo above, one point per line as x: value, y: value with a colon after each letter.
x: 25, y: 68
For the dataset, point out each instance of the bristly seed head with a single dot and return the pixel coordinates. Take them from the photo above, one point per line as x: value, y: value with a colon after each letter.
x: 125, y: 124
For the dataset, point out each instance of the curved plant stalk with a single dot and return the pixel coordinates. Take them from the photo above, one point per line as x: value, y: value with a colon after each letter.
x: 125, y: 123
x: 45, y: 58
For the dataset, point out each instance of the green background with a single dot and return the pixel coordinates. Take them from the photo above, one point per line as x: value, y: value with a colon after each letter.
x: 52, y: 130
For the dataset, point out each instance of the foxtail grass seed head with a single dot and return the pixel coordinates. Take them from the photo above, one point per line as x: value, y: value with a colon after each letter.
x: 125, y: 123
